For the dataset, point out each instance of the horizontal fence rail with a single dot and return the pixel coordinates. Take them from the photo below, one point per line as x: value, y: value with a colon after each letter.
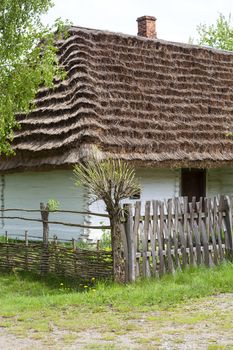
x: 57, y: 211
x: 97, y: 227
x: 173, y: 234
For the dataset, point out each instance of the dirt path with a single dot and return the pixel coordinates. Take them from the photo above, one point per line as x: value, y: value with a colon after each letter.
x: 204, y: 324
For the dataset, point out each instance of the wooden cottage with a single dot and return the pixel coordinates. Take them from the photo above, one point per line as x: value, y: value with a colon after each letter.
x: 167, y: 107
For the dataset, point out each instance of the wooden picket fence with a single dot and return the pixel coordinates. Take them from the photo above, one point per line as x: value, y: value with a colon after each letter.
x: 173, y: 233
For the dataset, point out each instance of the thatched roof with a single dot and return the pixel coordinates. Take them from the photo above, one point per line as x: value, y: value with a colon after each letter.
x: 154, y: 102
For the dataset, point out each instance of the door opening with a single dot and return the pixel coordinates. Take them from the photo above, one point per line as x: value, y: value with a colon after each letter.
x: 193, y: 183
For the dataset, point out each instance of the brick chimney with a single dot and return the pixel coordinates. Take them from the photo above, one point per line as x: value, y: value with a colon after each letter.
x: 146, y: 27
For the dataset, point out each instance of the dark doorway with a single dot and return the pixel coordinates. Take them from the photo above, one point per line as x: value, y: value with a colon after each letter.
x: 193, y: 183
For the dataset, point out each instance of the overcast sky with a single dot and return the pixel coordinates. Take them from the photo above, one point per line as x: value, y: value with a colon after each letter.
x: 176, y: 19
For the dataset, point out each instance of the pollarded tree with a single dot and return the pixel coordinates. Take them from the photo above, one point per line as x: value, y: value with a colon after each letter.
x: 219, y: 36
x: 28, y: 58
x: 111, y: 181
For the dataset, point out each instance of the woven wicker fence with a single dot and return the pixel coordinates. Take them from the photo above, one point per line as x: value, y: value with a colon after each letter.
x: 61, y: 257
x: 56, y: 259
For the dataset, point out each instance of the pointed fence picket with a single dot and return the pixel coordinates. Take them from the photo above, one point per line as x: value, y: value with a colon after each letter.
x: 173, y: 234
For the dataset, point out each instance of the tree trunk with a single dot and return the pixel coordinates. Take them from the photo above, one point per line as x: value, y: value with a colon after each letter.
x: 118, y: 258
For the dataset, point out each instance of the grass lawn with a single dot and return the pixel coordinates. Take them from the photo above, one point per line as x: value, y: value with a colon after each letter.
x: 58, y: 313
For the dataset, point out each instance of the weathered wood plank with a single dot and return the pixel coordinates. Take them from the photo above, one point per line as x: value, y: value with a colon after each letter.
x: 125, y: 250
x: 187, y: 231
x: 130, y: 243
x: 168, y: 236
x: 175, y: 233
x: 183, y: 239
x: 137, y: 217
x: 157, y: 205
x: 213, y: 213
x: 196, y: 233
x: 228, y: 225
x: 220, y: 228
x: 204, y: 235
x: 153, y: 235
x: 145, y: 261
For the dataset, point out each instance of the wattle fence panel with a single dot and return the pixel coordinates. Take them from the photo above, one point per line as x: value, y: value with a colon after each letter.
x: 48, y: 255
x: 57, y: 259
x: 173, y: 233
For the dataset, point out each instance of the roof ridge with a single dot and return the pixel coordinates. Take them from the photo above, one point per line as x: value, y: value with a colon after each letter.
x: 156, y: 40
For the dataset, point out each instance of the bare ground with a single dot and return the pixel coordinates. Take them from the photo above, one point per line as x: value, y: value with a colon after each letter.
x: 202, y: 324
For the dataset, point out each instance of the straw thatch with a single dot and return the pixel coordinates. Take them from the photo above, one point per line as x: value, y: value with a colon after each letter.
x: 154, y: 102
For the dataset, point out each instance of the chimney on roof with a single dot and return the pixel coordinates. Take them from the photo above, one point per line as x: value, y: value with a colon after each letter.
x: 146, y: 27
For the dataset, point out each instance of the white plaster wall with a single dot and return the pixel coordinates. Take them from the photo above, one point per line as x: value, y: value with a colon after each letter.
x: 155, y: 184
x: 27, y: 190
x: 219, y: 181
x: 159, y: 183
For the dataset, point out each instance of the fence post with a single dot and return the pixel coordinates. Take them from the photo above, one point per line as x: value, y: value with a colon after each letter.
x: 130, y: 238
x: 125, y: 247
x: 45, y: 216
x: 45, y: 251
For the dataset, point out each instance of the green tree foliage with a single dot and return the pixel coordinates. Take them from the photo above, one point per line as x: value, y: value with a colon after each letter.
x: 219, y: 35
x: 28, y: 59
